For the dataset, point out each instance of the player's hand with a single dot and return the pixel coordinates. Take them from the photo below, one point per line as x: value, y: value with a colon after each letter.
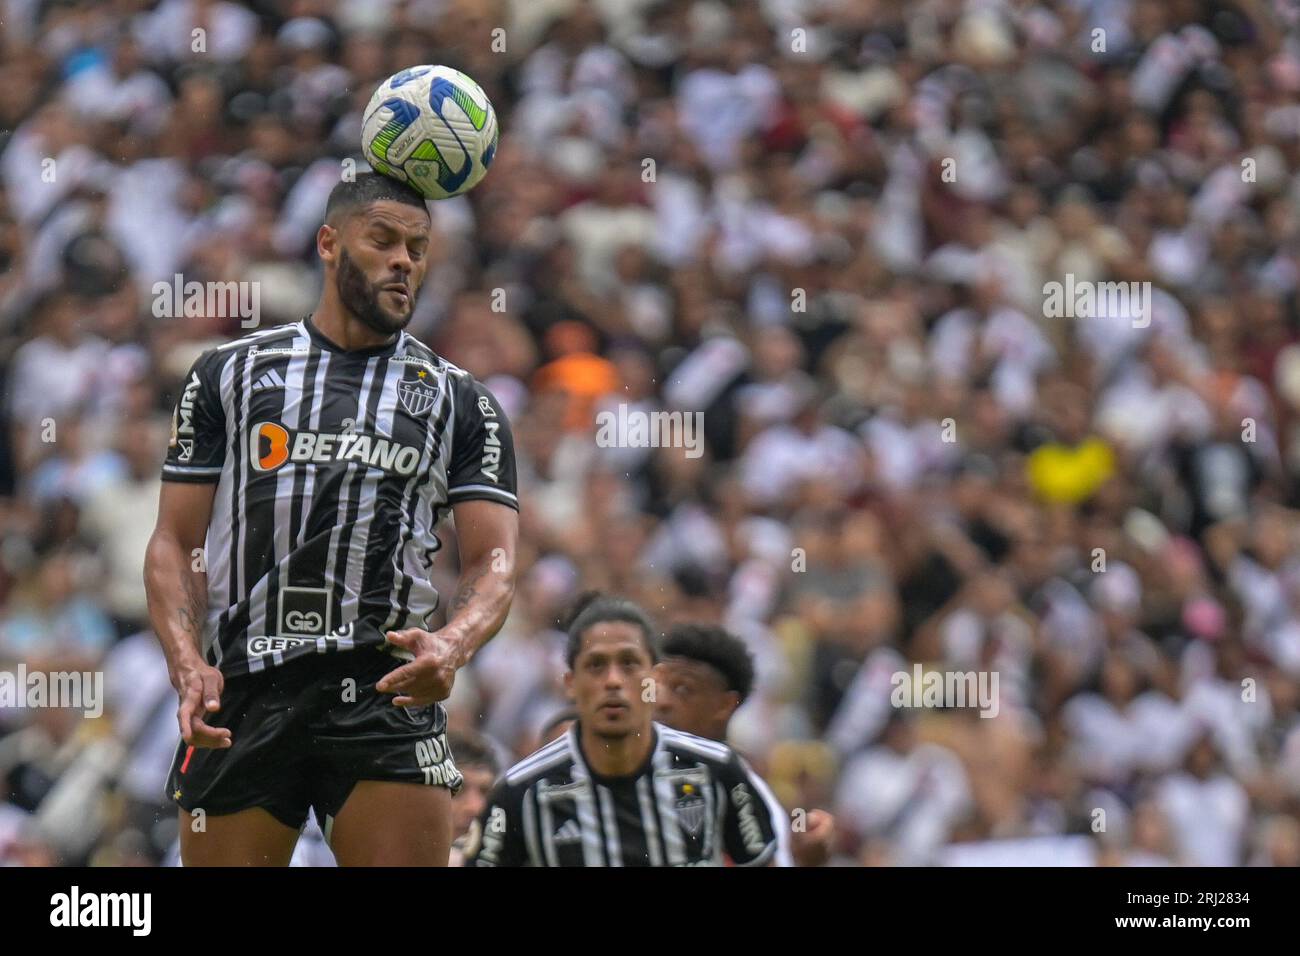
x: 812, y: 847
x: 199, y: 687
x: 429, y: 677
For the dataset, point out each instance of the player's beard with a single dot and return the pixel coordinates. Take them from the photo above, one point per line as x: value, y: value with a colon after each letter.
x: 618, y: 731
x: 361, y: 297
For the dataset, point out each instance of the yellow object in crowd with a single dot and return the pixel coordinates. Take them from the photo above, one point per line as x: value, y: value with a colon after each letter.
x: 1066, y: 474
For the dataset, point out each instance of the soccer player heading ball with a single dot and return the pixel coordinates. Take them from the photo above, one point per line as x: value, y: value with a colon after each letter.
x: 309, y: 467
x: 618, y: 789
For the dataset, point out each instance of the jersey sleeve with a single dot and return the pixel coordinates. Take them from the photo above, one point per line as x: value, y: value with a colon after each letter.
x: 749, y: 832
x: 780, y: 819
x: 197, y: 448
x: 483, y: 450
x: 496, y: 838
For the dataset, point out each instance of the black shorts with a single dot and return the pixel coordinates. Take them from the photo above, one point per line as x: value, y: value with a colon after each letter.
x: 304, y: 733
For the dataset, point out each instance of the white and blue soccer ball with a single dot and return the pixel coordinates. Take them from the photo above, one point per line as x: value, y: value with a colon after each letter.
x: 431, y: 127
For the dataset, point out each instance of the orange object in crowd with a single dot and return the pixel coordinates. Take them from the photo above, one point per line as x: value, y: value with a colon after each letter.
x: 585, y: 378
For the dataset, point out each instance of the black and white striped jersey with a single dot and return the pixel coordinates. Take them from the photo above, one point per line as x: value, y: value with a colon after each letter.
x: 694, y: 803
x: 333, y: 469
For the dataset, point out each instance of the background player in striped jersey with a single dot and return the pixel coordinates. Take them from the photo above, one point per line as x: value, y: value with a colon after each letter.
x: 310, y: 467
x: 618, y: 789
x: 479, y: 767
x: 703, y: 676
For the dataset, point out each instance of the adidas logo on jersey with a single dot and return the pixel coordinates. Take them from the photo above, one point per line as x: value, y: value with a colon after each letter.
x: 570, y: 832
x: 270, y: 379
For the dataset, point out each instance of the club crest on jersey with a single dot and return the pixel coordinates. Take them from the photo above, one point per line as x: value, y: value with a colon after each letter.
x: 690, y: 809
x: 417, y: 395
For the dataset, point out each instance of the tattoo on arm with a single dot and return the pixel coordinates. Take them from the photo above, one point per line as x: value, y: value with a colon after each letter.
x: 190, y: 613
x: 466, y: 593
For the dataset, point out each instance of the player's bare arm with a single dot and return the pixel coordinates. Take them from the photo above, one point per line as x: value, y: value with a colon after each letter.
x: 487, y: 532
x: 177, y: 595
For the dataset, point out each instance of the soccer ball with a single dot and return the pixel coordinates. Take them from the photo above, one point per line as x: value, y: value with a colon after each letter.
x: 431, y: 127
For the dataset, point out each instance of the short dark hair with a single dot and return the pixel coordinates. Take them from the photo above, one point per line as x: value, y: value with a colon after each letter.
x: 591, y: 608
x: 562, y: 717
x: 347, y: 196
x: 717, y: 647
x: 469, y: 749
